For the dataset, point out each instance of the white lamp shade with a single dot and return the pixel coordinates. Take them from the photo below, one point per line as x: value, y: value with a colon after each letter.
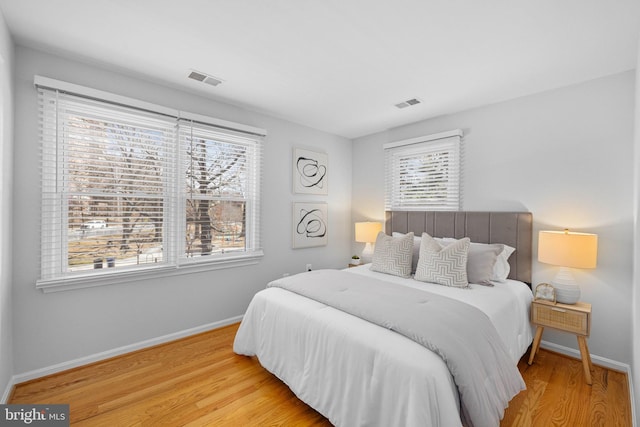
x: 366, y: 232
x: 568, y: 249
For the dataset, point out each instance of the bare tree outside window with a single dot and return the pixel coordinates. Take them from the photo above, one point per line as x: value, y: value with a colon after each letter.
x: 215, y: 205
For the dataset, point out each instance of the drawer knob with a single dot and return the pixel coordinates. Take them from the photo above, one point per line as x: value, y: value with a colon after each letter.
x: 561, y: 310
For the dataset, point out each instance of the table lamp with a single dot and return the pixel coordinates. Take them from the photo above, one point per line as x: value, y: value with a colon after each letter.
x: 567, y: 250
x: 366, y: 232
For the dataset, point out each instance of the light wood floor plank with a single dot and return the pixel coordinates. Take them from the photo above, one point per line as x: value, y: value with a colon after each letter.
x: 199, y: 381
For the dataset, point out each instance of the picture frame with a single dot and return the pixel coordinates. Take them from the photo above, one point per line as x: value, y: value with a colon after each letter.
x: 545, y: 292
x: 310, y: 172
x: 310, y: 224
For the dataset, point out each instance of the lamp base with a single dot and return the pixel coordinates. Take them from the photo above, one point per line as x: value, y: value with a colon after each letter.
x: 367, y: 253
x: 567, y: 290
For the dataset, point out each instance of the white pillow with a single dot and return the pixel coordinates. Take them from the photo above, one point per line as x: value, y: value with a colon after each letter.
x: 501, y: 268
x: 443, y: 265
x: 481, y: 262
x: 392, y: 255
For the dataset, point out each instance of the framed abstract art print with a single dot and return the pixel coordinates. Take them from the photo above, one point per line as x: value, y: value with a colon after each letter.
x: 310, y: 170
x: 309, y: 224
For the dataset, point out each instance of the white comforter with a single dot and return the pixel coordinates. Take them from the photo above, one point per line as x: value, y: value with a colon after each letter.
x: 359, y: 374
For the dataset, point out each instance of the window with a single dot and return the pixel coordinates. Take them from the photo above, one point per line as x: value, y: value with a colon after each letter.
x: 127, y: 190
x: 220, y: 191
x: 424, y: 173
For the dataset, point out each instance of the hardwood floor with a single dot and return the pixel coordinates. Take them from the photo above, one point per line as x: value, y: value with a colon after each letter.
x: 557, y: 395
x: 199, y: 381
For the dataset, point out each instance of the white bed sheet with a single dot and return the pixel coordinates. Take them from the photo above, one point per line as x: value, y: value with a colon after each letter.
x: 358, y: 374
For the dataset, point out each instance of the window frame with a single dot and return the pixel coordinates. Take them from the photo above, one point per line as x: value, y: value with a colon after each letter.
x: 175, y: 264
x: 449, y: 142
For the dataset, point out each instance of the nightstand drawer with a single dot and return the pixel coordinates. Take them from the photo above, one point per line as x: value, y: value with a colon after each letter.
x: 561, y: 317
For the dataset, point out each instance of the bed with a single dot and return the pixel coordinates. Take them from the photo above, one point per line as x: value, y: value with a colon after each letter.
x: 359, y: 372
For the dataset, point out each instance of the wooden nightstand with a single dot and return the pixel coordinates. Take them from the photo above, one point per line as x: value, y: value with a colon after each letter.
x: 572, y: 318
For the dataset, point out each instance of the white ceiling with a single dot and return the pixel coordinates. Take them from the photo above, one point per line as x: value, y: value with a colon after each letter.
x: 341, y: 65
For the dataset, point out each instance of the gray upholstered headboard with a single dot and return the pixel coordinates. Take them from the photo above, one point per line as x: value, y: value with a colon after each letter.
x: 511, y: 228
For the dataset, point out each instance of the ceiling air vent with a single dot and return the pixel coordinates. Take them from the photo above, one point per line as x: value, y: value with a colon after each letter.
x: 205, y: 78
x: 408, y: 103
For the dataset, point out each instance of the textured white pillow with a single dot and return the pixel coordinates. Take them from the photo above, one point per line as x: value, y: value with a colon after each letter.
x: 417, y: 241
x: 392, y: 255
x: 416, y: 250
x: 443, y: 265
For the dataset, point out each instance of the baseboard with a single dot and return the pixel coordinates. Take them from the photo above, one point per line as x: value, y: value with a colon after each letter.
x: 601, y: 361
x: 27, y: 376
x: 634, y: 421
x: 7, y: 390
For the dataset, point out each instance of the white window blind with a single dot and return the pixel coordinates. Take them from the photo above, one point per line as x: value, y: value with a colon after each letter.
x: 221, y: 190
x: 424, y: 173
x: 125, y: 189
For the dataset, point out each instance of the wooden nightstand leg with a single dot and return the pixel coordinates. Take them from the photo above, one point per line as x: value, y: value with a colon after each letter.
x: 536, y: 343
x: 586, y: 358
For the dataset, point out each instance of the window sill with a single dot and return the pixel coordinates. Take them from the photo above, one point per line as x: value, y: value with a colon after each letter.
x: 114, y: 278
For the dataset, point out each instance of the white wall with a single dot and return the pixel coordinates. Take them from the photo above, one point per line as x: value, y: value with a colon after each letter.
x: 566, y: 156
x: 6, y: 190
x: 58, y: 327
